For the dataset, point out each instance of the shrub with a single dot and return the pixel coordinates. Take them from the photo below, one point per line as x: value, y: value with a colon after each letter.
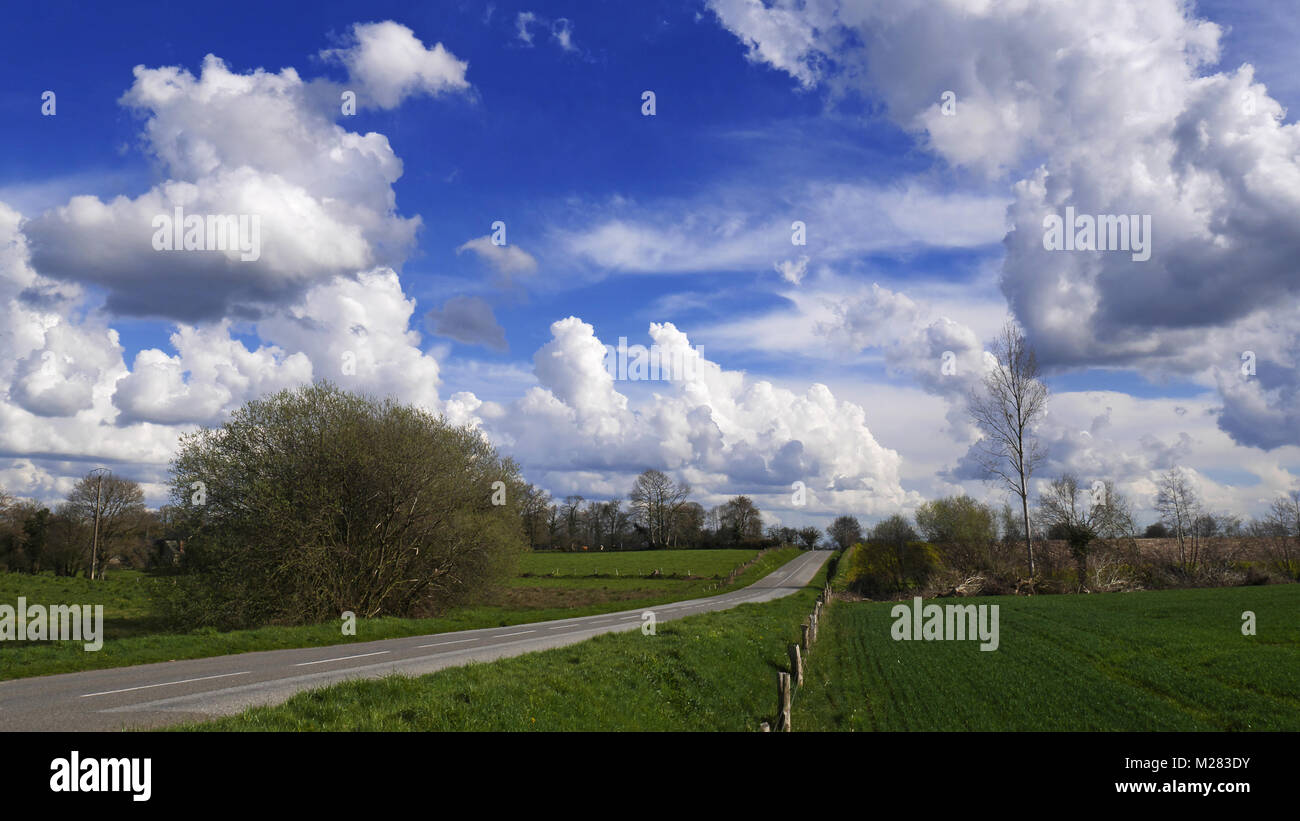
x: 1156, y: 531
x: 965, y: 530
x: 318, y: 501
x: 881, y: 570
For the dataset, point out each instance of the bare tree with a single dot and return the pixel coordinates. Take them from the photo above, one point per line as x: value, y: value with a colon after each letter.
x: 1006, y: 411
x: 1179, y: 508
x: 1102, y: 513
x: 713, y: 519
x: 534, y: 509
x: 1280, y: 533
x: 656, y: 500
x: 605, y: 524
x: 112, y: 506
x: 571, y: 515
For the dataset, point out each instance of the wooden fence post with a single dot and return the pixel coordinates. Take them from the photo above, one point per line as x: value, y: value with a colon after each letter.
x: 783, y: 702
x: 796, y: 664
x: 806, y: 636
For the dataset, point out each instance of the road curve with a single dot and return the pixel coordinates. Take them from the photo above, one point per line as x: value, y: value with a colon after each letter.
x: 153, y: 695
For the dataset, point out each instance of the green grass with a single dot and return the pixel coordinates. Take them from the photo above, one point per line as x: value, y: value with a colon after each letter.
x: 843, y: 569
x: 712, y: 563
x: 710, y: 672
x: 1156, y: 660
x: 132, y: 637
x: 124, y: 595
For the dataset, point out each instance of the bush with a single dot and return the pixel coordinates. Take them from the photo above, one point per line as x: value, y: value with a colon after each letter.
x: 317, y: 501
x: 1255, y: 576
x: 1156, y: 531
x: 881, y: 570
x: 965, y: 530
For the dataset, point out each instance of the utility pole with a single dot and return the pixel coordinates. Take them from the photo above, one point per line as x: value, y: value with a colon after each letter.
x: 99, y: 494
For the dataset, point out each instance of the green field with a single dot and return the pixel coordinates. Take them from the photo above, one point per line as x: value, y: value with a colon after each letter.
x: 1155, y: 660
x: 132, y: 637
x: 706, y: 563
x: 710, y: 672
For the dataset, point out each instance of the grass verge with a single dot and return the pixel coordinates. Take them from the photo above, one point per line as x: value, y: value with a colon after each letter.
x: 132, y: 637
x: 710, y: 672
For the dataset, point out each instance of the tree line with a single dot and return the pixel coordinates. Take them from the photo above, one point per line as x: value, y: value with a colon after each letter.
x: 657, y: 514
x: 1006, y: 406
x: 102, y: 522
x: 952, y: 540
x: 315, y: 501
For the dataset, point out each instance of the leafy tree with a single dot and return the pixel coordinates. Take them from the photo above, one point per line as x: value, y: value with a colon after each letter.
x: 779, y: 534
x: 1013, y: 530
x: 1228, y: 525
x: 962, y: 526
x: 35, y: 530
x: 67, y: 549
x: 1156, y: 531
x: 895, y: 535
x: 892, y: 560
x: 893, y: 531
x: 809, y: 536
x: 319, y: 501
x: 845, y: 532
x: 688, y: 524
x: 12, y: 556
x: 740, y: 519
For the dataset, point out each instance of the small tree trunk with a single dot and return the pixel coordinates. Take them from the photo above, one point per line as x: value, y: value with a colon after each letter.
x: 1029, y: 536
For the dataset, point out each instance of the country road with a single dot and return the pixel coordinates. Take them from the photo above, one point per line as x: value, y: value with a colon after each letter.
x: 153, y: 695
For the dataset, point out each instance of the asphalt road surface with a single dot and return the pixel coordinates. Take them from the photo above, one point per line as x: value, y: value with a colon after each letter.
x: 152, y: 695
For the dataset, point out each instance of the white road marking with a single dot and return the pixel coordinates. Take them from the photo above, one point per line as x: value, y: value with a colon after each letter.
x: 342, y: 658
x: 441, y: 643
x: 163, y: 684
x: 508, y: 635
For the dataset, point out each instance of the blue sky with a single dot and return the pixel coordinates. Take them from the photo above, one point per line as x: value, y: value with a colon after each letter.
x: 921, y: 234
x: 546, y: 126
